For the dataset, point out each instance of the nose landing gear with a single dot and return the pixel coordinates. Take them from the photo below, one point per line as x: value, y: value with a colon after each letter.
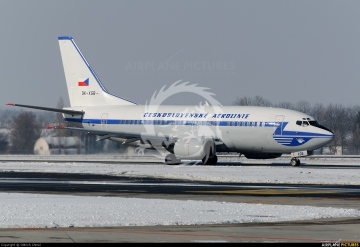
x: 295, y: 157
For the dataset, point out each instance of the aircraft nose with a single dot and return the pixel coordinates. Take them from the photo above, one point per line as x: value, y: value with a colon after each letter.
x: 330, y: 137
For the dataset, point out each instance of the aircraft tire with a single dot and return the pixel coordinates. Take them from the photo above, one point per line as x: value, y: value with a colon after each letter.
x: 211, y: 161
x: 171, y: 159
x: 295, y: 162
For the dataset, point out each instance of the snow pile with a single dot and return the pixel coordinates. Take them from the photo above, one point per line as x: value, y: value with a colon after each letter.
x: 19, y: 210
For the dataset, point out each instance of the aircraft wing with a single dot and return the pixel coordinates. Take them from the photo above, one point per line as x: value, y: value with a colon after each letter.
x: 134, y: 137
x: 131, y: 137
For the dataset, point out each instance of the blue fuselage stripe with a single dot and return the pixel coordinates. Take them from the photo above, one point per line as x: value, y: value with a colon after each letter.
x: 170, y: 122
x: 280, y: 136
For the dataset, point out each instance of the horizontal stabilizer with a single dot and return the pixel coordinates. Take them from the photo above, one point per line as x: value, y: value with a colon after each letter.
x: 70, y: 112
x: 54, y: 127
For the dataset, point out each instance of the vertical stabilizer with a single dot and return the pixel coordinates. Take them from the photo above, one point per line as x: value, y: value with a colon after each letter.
x: 84, y: 87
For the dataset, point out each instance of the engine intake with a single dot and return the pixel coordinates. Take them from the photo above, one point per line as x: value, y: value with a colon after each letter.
x: 194, y: 148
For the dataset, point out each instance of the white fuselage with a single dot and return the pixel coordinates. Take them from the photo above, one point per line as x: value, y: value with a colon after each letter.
x: 239, y: 128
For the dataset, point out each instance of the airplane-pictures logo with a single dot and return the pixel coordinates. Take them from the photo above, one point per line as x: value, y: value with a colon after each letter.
x: 340, y: 244
x: 83, y: 82
x: 193, y: 134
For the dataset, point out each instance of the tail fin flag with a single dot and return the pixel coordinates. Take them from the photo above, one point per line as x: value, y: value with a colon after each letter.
x: 84, y: 87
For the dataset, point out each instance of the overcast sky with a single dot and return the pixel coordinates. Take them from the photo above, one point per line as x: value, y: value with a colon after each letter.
x: 280, y: 50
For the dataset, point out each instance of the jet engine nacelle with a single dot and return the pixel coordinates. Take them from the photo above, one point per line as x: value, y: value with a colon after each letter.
x: 194, y: 149
x: 262, y: 155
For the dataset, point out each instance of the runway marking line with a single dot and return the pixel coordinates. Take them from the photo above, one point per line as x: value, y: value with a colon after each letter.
x: 266, y: 192
x: 183, y: 234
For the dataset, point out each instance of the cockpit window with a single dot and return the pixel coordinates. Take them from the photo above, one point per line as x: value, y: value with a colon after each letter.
x: 314, y: 123
x: 304, y: 123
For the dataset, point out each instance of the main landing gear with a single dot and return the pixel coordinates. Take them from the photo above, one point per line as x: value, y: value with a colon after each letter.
x: 295, y: 161
x: 171, y: 159
x: 210, y: 161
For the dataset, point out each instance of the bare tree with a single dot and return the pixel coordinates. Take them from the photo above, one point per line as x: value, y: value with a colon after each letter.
x: 3, y: 143
x: 59, y: 118
x: 6, y: 117
x: 242, y: 101
x: 303, y: 106
x: 318, y: 111
x: 285, y: 105
x: 5, y: 122
x: 24, y: 133
x: 338, y: 119
x: 356, y: 134
x: 60, y: 133
x: 255, y: 101
x: 63, y: 133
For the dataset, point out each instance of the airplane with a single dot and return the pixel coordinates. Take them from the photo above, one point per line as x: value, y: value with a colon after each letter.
x: 183, y: 132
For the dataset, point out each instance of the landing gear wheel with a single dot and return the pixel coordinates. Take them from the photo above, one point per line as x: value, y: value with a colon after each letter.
x: 171, y: 159
x: 211, y: 161
x: 295, y: 162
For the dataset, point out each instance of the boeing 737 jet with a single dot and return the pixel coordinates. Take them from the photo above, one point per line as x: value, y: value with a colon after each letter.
x: 183, y: 132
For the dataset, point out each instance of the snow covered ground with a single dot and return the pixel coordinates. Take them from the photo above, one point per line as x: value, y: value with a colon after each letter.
x: 20, y: 210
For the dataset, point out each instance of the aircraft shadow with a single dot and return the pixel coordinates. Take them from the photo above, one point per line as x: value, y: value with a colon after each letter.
x: 285, y: 164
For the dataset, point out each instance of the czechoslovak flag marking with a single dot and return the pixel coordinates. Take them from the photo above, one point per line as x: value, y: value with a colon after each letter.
x: 83, y: 82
